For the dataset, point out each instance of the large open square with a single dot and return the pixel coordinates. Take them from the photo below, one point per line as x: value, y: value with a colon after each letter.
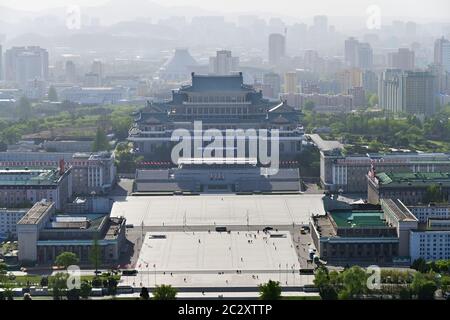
x: 209, y: 210
x: 214, y: 259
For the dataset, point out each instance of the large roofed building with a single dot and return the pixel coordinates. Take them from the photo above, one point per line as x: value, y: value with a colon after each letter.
x: 21, y: 186
x: 411, y: 188
x: 236, y: 175
x: 43, y: 235
x: 363, y: 233
x: 221, y: 103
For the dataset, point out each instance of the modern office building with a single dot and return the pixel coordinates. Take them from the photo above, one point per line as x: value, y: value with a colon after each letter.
x: 91, y: 172
x: 43, y: 235
x: 277, y: 48
x: 430, y: 211
x: 8, y: 222
x: 442, y: 53
x: 432, y: 241
x: 357, y: 54
x: 23, y: 64
x: 290, y: 83
x: 348, y: 172
x: 216, y: 175
x: 223, y: 63
x: 21, y: 186
x: 411, y: 188
x: 219, y: 102
x: 408, y: 92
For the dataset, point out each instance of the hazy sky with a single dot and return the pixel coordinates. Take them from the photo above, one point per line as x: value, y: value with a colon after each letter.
x: 392, y: 8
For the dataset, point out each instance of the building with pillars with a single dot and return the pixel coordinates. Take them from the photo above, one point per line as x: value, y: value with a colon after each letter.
x: 220, y: 102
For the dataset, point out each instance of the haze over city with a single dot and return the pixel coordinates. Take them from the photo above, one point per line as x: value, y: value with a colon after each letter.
x: 214, y: 150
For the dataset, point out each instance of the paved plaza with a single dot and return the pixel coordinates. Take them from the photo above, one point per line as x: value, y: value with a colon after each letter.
x: 213, y: 259
x: 203, y: 210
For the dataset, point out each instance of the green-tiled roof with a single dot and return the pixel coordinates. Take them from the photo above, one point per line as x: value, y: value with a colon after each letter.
x: 414, y: 178
x: 358, y: 219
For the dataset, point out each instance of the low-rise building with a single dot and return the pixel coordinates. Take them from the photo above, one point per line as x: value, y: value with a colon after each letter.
x: 348, y: 172
x: 411, y: 188
x: 217, y: 175
x: 363, y: 233
x: 21, y: 186
x: 8, y: 221
x: 43, y: 235
x: 91, y: 172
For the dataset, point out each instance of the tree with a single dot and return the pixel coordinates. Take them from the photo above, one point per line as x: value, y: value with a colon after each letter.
x: 354, y: 283
x: 373, y: 100
x: 423, y: 286
x: 270, y: 290
x: 95, y: 255
x: 144, y: 294
x: 309, y: 105
x: 66, y: 259
x: 44, y: 282
x: 322, y: 281
x: 433, y: 194
x: 164, y: 292
x: 101, y: 142
x: 420, y: 265
x: 52, y: 95
x: 85, y: 289
x: 58, y: 283
x: 112, y: 285
x: 24, y: 108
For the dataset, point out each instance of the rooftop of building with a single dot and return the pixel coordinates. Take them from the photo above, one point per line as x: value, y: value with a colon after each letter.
x: 37, y: 212
x: 414, y: 179
x: 358, y: 219
x: 396, y: 207
x: 201, y: 83
x: 29, y: 176
x: 325, y: 145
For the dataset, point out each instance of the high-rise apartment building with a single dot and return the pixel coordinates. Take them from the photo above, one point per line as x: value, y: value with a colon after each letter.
x: 23, y: 64
x: 407, y: 92
x: 442, y: 53
x: 403, y: 59
x: 358, y: 54
x: 277, y: 48
x: 272, y: 82
x: 223, y: 63
x: 290, y: 82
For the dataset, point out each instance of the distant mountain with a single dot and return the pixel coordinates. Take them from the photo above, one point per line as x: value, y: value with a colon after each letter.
x: 119, y: 10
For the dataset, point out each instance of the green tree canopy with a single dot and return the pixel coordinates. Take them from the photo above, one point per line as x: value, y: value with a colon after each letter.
x: 52, y: 95
x: 24, y: 108
x: 270, y: 290
x: 66, y: 259
x: 101, y: 142
x: 164, y: 292
x: 58, y: 283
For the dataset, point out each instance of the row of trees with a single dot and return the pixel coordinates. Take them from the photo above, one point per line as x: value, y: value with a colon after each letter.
x: 352, y: 283
x: 383, y: 131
